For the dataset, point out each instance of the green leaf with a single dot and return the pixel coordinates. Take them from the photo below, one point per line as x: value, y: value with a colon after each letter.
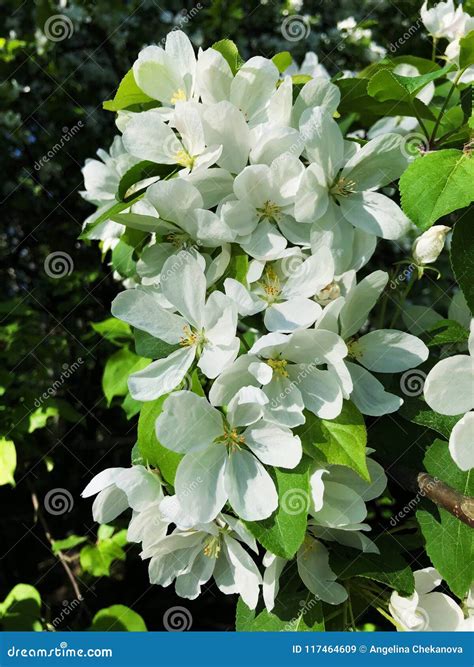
x: 151, y: 450
x: 293, y: 612
x: 282, y: 60
x: 462, y: 255
x: 7, y: 462
x: 446, y: 332
x: 284, y: 531
x: 466, y: 53
x: 113, y: 330
x: 114, y: 210
x: 131, y: 406
x: 96, y: 559
x: 355, y: 98
x: 139, y: 172
x: 21, y: 609
x: 39, y: 417
x: 389, y: 567
x: 117, y: 369
x: 449, y: 542
x: 387, y: 85
x: 229, y: 50
x: 128, y: 94
x: 437, y: 184
x: 68, y: 543
x: 117, y: 618
x: 418, y: 412
x: 142, y: 223
x: 340, y: 441
x: 148, y: 346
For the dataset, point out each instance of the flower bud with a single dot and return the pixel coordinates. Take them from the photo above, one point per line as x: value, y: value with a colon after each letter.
x: 428, y: 246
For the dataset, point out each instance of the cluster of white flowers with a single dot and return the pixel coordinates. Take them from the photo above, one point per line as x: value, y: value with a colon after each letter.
x: 261, y: 177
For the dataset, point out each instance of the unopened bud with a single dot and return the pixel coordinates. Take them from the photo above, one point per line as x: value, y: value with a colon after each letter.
x: 428, y: 246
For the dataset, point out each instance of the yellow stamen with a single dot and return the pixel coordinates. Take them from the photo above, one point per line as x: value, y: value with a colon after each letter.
x: 278, y: 366
x: 178, y: 96
x: 212, y: 546
x: 269, y: 211
x: 183, y: 158
x: 190, y: 337
x: 328, y: 293
x: 343, y: 187
x: 271, y: 283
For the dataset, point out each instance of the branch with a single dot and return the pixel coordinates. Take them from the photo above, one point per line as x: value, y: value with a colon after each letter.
x: 443, y: 495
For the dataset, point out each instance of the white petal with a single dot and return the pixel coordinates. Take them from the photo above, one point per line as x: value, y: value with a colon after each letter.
x: 312, y: 198
x: 102, y: 480
x: 199, y: 483
x: 174, y: 199
x: 440, y: 612
x: 181, y: 53
x: 448, y: 386
x: 155, y: 75
x: 213, y: 184
x: 311, y: 275
x: 250, y: 488
x: 188, y: 422
x: 321, y: 393
x: 315, y: 346
x: 184, y: 285
x: 318, y: 92
x: 141, y: 487
x: 461, y: 444
x: 376, y: 214
x: 389, y: 351
x: 214, y: 76
x: 224, y: 125
x: 109, y: 504
x: 215, y: 358
x: 246, y: 407
x: 378, y: 163
x: 246, y: 574
x: 253, y: 85
x: 369, y: 394
x: 316, y: 574
x: 323, y: 139
x: 232, y: 378
x: 360, y: 301
x: 274, y: 445
x: 265, y: 242
x: 147, y: 137
x: 288, y: 316
x: 189, y: 585
x: 271, y: 578
x: 285, y: 404
x: 161, y: 376
x: 274, y: 142
x: 143, y: 311
x: 426, y: 580
x: 247, y: 302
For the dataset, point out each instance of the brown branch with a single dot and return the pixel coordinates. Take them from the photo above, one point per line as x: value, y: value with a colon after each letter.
x: 443, y: 495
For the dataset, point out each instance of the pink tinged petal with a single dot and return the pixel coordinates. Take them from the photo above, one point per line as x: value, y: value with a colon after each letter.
x: 161, y: 376
x: 250, y: 488
x: 199, y: 483
x: 461, y: 445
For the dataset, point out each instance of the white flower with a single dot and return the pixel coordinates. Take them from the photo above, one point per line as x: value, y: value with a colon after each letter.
x: 261, y: 215
x: 286, y: 369
x: 442, y: 20
x: 204, y: 328
x: 427, y: 247
x: 424, y: 610
x: 121, y: 488
x: 285, y: 298
x: 338, y: 497
x: 223, y: 457
x: 381, y: 350
x: 168, y: 74
x: 341, y: 181
x: 448, y: 389
x: 314, y: 570
x: 148, y: 137
x: 192, y: 557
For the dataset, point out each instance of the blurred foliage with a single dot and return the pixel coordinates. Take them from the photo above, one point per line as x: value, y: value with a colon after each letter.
x: 56, y: 428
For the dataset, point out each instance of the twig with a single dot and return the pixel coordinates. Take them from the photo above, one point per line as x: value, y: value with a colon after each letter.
x: 443, y: 495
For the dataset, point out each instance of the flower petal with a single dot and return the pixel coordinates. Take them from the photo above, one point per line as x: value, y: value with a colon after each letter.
x: 274, y: 445
x: 369, y: 394
x: 449, y: 385
x: 389, y: 351
x: 161, y: 376
x: 461, y: 445
x: 250, y: 488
